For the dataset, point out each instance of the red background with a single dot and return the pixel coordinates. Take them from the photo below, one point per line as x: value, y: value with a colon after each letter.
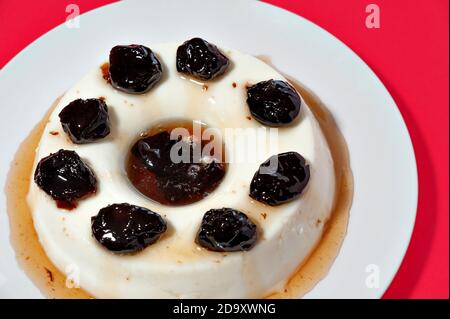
x: 409, y: 53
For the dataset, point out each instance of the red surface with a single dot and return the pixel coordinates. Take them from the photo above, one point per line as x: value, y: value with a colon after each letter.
x: 409, y: 53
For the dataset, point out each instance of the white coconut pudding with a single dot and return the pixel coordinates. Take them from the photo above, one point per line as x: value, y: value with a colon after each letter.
x: 109, y: 199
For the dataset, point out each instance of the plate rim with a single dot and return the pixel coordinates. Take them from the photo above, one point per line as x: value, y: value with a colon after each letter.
x: 404, y: 127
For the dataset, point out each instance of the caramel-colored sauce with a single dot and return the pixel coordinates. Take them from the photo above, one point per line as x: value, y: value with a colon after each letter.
x: 319, y: 262
x: 105, y: 72
x: 52, y: 282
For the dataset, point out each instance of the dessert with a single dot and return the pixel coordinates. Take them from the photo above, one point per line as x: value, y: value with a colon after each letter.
x: 204, y: 229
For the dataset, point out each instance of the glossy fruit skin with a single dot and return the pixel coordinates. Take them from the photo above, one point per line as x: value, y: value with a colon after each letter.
x: 125, y: 228
x: 133, y: 68
x: 273, y: 102
x: 155, y: 175
x: 226, y: 230
x: 201, y: 59
x: 282, y: 182
x: 65, y: 177
x: 85, y: 121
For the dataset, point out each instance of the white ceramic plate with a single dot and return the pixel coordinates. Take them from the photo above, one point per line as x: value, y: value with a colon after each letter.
x: 382, y: 157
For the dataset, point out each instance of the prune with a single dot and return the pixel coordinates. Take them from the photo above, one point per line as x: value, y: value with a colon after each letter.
x: 201, y: 59
x: 126, y: 228
x: 152, y: 171
x: 280, y: 179
x: 85, y: 121
x: 273, y: 102
x: 65, y: 177
x: 133, y: 68
x: 226, y: 229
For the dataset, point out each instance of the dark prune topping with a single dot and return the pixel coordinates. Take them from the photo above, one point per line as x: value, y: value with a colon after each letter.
x: 226, y: 229
x: 152, y: 171
x: 133, y: 68
x: 65, y: 177
x: 85, y: 121
x: 280, y: 179
x: 201, y: 59
x: 273, y: 102
x: 126, y: 228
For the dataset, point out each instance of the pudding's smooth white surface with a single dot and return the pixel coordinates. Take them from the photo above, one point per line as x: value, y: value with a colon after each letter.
x: 175, y: 267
